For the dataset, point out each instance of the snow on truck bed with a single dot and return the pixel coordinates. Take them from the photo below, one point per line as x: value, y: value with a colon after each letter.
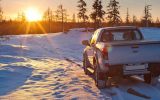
x: 49, y: 66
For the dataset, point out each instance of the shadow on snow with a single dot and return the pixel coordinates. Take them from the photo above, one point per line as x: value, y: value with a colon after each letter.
x: 12, y: 77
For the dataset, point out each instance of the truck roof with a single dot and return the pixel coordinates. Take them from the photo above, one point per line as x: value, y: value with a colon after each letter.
x: 119, y: 27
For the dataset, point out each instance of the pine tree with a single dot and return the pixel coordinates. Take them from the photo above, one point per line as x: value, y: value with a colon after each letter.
x: 113, y: 13
x: 127, y: 17
x: 82, y: 10
x: 98, y: 13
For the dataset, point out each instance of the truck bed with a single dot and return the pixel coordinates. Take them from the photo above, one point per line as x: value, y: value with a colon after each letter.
x: 132, y: 52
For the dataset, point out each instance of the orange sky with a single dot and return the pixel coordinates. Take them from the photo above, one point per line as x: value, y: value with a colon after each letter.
x: 136, y: 7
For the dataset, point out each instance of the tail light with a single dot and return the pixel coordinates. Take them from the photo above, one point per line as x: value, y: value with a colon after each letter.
x: 107, y: 65
x: 105, y: 53
x: 105, y: 56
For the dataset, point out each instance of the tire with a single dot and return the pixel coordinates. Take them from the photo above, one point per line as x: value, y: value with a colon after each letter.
x: 148, y: 78
x: 100, y: 78
x: 85, y: 66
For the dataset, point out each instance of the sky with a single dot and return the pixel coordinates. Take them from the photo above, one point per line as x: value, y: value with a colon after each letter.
x: 136, y: 7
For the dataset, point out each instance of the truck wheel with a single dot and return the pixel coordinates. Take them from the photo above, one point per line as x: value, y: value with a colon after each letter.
x: 85, y: 66
x: 100, y: 78
x: 148, y: 78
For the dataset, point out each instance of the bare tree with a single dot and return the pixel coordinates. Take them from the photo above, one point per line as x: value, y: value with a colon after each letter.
x: 134, y: 20
x: 1, y: 13
x: 61, y: 15
x: 147, y: 15
x: 74, y: 18
x: 157, y: 22
x: 21, y: 17
x: 48, y: 17
x: 127, y: 17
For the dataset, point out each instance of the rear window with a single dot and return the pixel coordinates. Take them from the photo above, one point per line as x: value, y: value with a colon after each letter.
x: 120, y: 35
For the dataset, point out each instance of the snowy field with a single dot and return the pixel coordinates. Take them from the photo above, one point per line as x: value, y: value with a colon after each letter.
x: 49, y: 67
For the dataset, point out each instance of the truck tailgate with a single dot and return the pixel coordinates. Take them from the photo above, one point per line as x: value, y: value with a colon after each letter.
x: 134, y: 52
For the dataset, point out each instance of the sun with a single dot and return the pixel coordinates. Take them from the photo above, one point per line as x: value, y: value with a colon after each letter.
x: 32, y: 14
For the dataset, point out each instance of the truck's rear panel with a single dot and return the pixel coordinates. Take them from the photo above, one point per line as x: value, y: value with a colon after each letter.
x: 135, y: 52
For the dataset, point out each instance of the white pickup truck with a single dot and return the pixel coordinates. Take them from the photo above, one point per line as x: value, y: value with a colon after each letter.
x: 120, y: 51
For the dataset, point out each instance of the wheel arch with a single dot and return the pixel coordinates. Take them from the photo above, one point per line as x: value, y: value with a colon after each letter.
x: 100, y: 61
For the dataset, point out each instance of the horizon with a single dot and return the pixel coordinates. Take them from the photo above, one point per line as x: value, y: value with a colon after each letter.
x: 12, y: 8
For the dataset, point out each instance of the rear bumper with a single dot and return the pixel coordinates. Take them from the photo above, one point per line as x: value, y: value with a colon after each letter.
x: 119, y: 70
x: 136, y: 72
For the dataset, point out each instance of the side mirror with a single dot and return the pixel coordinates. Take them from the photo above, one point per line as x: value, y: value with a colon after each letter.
x: 86, y: 43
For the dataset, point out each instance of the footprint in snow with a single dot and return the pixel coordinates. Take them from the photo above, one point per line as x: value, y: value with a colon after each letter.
x: 89, y: 90
x: 60, y: 86
x: 74, y: 81
x: 64, y: 75
x: 58, y: 95
x: 37, y: 78
x: 57, y: 70
x: 75, y: 90
x: 28, y: 83
x: 86, y: 81
x: 61, y: 64
x: 57, y: 83
x: 75, y: 98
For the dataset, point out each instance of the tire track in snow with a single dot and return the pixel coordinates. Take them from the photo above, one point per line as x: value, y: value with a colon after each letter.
x: 69, y: 60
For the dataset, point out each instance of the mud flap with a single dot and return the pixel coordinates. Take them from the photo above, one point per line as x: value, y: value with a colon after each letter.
x: 102, y: 66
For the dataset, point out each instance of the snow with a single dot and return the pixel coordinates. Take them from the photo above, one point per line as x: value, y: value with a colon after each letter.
x: 49, y: 66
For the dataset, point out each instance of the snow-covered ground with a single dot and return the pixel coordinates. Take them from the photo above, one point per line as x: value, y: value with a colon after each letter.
x: 49, y: 66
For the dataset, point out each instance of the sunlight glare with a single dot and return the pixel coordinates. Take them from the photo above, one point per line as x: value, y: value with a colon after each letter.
x: 32, y: 14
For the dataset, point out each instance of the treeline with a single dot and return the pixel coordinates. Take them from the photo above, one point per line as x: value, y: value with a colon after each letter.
x: 40, y: 27
x: 58, y: 20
